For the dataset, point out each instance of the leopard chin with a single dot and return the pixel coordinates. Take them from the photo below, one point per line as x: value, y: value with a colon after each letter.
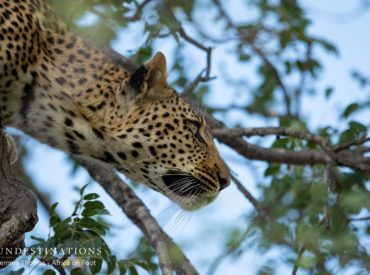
x: 187, y: 191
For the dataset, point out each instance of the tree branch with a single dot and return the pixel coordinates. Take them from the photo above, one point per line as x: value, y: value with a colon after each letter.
x: 260, y: 53
x: 280, y: 131
x: 272, y: 155
x: 186, y: 37
x: 249, y: 197
x: 345, y: 158
x: 359, y: 219
x: 349, y: 144
x: 139, y: 10
x: 18, y: 208
x: 200, y: 78
x: 139, y: 214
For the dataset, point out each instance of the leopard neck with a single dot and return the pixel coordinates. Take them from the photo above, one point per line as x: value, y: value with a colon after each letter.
x: 91, y: 93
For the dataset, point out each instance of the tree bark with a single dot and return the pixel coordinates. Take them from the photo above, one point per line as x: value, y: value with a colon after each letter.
x: 18, y: 208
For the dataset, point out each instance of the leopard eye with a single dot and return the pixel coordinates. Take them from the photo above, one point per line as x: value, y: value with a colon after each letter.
x: 195, y: 126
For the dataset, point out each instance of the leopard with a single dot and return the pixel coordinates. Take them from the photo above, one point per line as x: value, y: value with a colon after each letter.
x: 67, y: 93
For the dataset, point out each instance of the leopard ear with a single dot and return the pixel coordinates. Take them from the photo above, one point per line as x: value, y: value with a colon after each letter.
x: 157, y: 71
x: 153, y: 74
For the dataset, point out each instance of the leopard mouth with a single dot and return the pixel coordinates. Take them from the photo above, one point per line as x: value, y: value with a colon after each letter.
x: 183, y: 185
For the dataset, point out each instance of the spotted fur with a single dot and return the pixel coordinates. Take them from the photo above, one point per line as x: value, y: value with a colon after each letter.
x: 63, y: 92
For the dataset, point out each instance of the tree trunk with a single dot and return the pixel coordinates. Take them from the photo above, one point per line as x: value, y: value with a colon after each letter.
x: 18, y: 208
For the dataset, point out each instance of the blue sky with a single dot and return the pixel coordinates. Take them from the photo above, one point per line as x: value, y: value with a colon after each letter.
x: 201, y: 234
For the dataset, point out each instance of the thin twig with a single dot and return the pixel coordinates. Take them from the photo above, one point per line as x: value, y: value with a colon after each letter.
x: 260, y: 53
x: 249, y: 197
x: 302, y: 82
x: 359, y: 219
x: 200, y: 78
x: 277, y: 76
x: 139, y: 9
x: 347, y: 145
x: 186, y: 37
x: 136, y: 16
x: 296, y: 263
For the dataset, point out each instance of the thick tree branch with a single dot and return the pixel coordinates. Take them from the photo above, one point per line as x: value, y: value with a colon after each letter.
x: 271, y: 155
x: 139, y: 214
x: 328, y: 154
x: 279, y: 131
x: 18, y: 208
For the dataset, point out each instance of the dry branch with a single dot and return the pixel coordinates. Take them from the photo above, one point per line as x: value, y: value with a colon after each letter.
x: 328, y: 154
x: 279, y: 131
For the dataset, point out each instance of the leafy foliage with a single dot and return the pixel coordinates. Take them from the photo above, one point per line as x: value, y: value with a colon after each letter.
x: 76, y: 243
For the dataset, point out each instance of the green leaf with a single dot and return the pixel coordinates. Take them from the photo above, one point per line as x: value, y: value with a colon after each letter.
x: 82, y: 190
x: 96, y: 265
x: 122, y: 267
x: 111, y: 263
x: 91, y: 196
x: 360, y: 78
x: 272, y: 170
x: 358, y: 127
x: 354, y: 131
x: 351, y: 108
x: 143, y: 54
x: 96, y: 205
x: 52, y: 209
x: 54, y: 220
x: 77, y: 271
x: 329, y: 91
x: 17, y: 272
x: 93, y: 225
x: 49, y: 272
x: 355, y: 200
x: 94, y: 212
x: 288, y: 67
x: 285, y: 38
x: 61, y: 230
x: 37, y: 239
x: 329, y: 47
x: 133, y: 270
x: 281, y: 143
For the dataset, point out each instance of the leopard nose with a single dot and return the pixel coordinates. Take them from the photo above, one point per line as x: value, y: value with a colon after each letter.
x: 224, y: 181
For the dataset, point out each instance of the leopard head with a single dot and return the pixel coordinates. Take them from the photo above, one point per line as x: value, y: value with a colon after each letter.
x: 166, y: 144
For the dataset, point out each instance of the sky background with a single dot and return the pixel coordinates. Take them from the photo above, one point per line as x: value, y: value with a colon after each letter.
x: 202, y: 234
